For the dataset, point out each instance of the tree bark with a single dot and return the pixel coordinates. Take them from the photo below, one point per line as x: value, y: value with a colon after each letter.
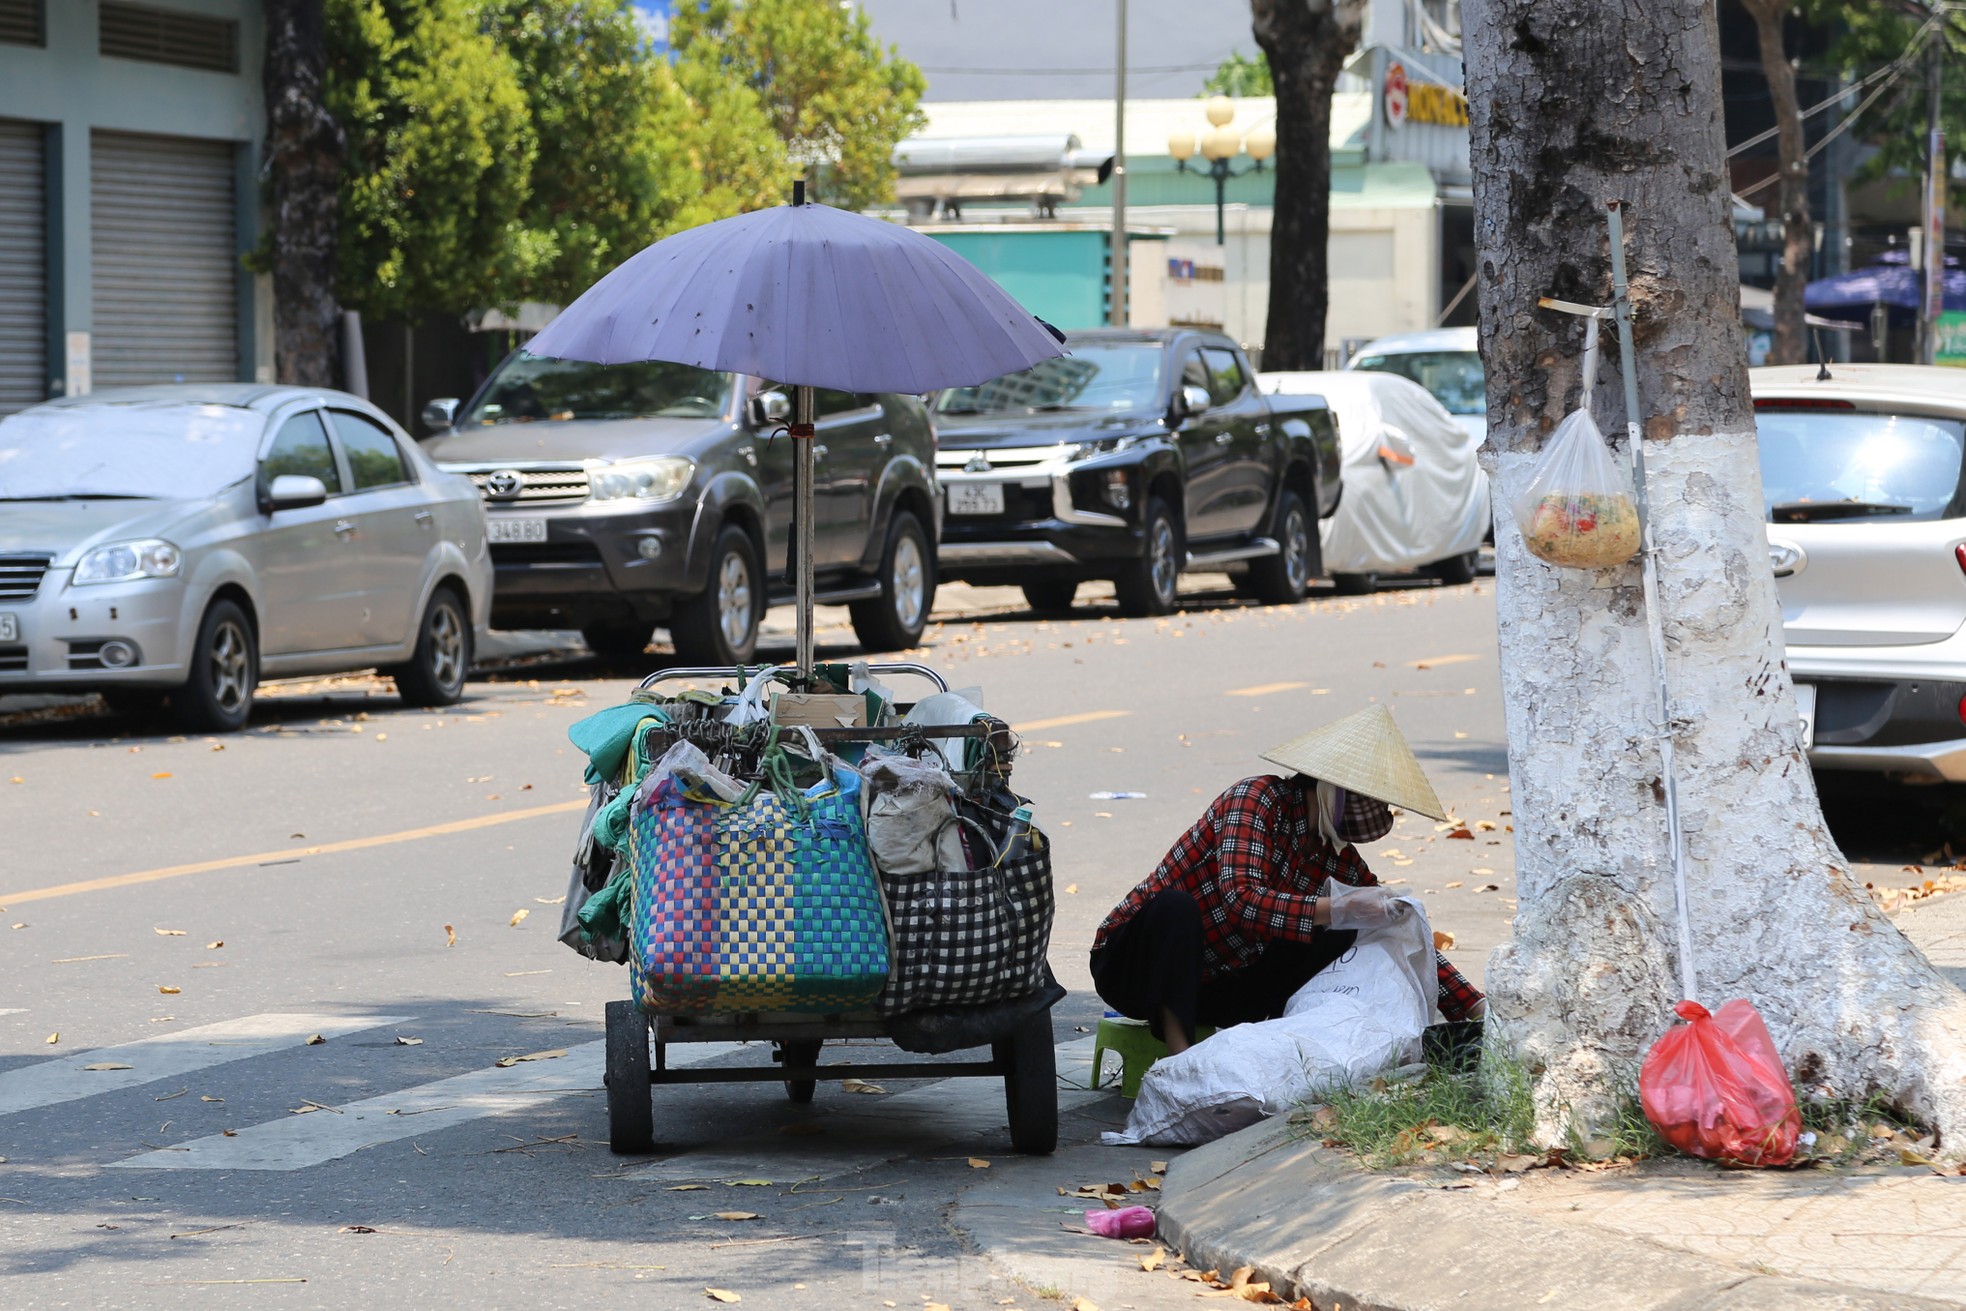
x: 1306, y: 43
x: 1576, y: 102
x: 304, y: 148
x: 1792, y: 191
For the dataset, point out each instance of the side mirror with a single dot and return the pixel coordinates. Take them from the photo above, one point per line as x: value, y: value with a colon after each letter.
x: 295, y: 491
x: 1194, y: 400
x: 769, y: 407
x: 440, y: 413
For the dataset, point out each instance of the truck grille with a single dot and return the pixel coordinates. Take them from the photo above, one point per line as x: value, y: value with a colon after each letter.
x: 20, y: 575
x: 536, y: 486
x: 1013, y: 458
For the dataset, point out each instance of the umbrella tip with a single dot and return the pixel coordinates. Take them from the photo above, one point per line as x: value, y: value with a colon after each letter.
x: 1057, y: 334
x: 798, y: 191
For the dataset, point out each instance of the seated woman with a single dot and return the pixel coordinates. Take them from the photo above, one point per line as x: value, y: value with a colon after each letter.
x: 1267, y: 889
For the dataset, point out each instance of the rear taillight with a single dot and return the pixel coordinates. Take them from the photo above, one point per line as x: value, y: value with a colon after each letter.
x: 1959, y: 554
x: 1962, y: 710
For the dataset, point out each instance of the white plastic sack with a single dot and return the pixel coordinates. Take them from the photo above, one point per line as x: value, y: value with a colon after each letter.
x: 1413, y: 493
x: 911, y: 815
x: 1355, y: 1019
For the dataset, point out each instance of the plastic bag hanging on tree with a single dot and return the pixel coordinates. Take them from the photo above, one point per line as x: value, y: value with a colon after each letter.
x: 1578, y: 509
x: 1716, y: 1087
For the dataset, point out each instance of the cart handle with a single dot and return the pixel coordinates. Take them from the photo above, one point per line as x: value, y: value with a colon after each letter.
x: 726, y: 671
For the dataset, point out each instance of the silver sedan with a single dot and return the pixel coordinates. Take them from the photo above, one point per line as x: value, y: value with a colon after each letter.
x: 182, y: 542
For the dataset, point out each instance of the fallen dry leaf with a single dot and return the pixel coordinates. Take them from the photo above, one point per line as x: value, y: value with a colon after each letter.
x: 165, y: 774
x: 860, y: 1086
x: 214, y: 946
x: 203, y: 1098
x: 1443, y: 941
x: 1157, y: 1167
x: 688, y: 1188
x: 747, y: 1183
x: 167, y: 933
x: 1517, y: 1164
x: 355, y: 1229
x: 1461, y: 832
x: 1455, y: 884
x: 108, y: 1065
x: 54, y: 1038
x: 978, y: 1163
x: 1153, y: 1259
x: 519, y: 916
x: 508, y: 1062
x: 315, y: 1040
x: 1072, y: 889
x: 451, y: 934
x: 723, y: 1295
x: 401, y: 1041
x: 168, y: 990
x: 736, y: 1215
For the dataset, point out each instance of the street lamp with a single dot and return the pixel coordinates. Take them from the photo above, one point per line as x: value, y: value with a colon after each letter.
x: 1218, y: 145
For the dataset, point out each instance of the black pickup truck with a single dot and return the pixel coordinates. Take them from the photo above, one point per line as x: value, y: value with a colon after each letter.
x: 1142, y: 453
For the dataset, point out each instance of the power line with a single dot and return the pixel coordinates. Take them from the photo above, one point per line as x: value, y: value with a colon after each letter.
x: 1891, y: 70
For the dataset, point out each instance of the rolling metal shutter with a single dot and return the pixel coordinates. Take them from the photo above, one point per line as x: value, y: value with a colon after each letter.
x: 166, y: 302
x: 23, y: 267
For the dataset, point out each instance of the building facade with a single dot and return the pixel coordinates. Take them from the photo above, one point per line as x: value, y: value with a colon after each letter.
x: 129, y: 144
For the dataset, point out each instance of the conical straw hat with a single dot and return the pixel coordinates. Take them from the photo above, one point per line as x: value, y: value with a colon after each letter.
x: 1363, y: 753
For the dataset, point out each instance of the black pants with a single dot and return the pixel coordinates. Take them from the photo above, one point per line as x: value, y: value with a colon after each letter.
x: 1153, y: 963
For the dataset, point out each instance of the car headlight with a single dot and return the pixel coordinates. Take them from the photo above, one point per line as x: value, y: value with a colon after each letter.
x: 660, y: 479
x: 121, y: 562
x: 1098, y: 446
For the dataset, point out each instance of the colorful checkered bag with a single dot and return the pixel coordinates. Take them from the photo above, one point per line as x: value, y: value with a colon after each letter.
x: 768, y: 903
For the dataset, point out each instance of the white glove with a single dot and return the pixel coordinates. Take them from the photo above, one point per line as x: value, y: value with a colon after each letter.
x: 1365, y: 908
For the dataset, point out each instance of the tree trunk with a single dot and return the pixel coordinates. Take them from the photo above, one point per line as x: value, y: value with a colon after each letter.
x: 1307, y: 43
x: 1575, y: 102
x: 304, y: 147
x: 1792, y: 191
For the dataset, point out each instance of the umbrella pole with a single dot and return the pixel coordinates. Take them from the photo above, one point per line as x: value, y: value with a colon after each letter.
x: 802, y: 479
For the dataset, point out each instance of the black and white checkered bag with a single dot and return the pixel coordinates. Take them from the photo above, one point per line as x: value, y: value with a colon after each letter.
x: 973, y: 936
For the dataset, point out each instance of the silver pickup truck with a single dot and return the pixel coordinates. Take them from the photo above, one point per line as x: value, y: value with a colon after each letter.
x: 620, y: 498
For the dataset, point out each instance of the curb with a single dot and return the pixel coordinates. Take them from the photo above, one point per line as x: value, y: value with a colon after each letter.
x: 1313, y: 1225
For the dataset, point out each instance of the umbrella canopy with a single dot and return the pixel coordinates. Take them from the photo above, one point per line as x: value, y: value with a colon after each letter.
x: 1894, y: 285
x: 805, y: 295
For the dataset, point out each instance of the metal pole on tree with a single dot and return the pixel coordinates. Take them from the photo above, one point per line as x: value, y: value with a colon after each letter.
x: 1117, y: 311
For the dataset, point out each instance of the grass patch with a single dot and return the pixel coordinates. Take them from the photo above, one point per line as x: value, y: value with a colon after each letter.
x: 1480, y: 1116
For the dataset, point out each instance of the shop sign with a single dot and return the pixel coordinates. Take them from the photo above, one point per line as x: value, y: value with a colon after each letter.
x: 1952, y: 339
x: 1395, y: 94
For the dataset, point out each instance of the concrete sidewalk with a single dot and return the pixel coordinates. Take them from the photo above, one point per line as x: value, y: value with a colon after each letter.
x: 1673, y: 1233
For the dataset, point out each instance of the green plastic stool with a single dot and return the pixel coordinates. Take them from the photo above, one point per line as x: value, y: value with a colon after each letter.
x: 1134, y: 1043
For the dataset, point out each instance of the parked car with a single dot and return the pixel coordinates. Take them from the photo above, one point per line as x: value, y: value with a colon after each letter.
x: 183, y: 542
x: 1864, y: 478
x: 1414, y: 496
x: 622, y: 497
x: 1446, y: 361
x: 1141, y: 454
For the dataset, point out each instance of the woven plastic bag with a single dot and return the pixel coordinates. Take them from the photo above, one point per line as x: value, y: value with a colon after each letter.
x: 1715, y: 1087
x: 1578, y: 509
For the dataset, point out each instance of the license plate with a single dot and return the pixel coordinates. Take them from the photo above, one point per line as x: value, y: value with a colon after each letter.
x: 1805, y: 704
x: 9, y: 629
x: 976, y: 498
x: 502, y: 528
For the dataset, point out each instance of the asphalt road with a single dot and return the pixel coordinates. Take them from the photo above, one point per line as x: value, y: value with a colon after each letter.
x: 187, y: 912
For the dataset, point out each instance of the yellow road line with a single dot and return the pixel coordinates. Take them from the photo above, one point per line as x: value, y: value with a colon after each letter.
x: 1435, y: 662
x: 291, y: 853
x: 1063, y: 721
x: 1264, y: 689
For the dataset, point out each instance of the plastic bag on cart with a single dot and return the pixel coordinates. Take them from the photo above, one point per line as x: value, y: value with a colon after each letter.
x: 593, y: 866
x: 1579, y: 509
x: 911, y: 815
x: 1357, y: 1017
x: 1716, y: 1087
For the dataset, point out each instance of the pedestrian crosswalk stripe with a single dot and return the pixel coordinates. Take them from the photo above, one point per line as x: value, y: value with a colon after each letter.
x: 170, y: 1055
x: 298, y: 1141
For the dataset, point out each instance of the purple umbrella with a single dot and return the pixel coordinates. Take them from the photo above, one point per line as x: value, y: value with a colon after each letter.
x: 809, y: 296
x: 1891, y: 284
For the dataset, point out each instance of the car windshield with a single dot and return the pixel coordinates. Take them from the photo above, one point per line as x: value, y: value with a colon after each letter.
x: 1107, y: 376
x: 527, y: 389
x: 1454, y: 377
x: 149, y: 451
x: 1819, y: 465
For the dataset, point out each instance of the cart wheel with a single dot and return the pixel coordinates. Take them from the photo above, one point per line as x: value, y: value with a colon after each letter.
x: 1030, y: 1085
x: 631, y: 1109
x: 796, y: 1055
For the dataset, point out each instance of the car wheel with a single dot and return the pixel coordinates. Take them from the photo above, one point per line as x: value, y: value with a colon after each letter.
x: 435, y: 674
x: 1148, y: 587
x: 894, y: 621
x: 1456, y: 569
x: 719, y: 625
x: 1280, y: 579
x: 1050, y: 598
x: 1355, y: 584
x: 617, y: 641
x: 218, y: 698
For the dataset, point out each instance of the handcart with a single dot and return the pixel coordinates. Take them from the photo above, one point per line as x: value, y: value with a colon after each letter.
x: 1018, y: 1033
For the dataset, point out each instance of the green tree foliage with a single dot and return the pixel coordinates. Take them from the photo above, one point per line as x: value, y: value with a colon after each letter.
x: 1875, y: 34
x: 1240, y: 77
x: 835, y: 96
x: 440, y: 154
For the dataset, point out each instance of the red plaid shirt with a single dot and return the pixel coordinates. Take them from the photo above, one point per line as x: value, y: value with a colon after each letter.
x: 1253, y: 861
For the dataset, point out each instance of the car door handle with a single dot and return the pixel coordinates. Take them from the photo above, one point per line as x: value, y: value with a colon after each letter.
x: 883, y: 440
x: 343, y: 527
x: 819, y: 451
x: 1224, y: 438
x: 425, y: 517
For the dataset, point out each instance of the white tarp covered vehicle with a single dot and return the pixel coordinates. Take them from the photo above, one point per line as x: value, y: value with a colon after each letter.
x: 1414, y: 497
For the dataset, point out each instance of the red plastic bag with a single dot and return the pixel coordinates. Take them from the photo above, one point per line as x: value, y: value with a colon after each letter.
x: 1715, y: 1087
